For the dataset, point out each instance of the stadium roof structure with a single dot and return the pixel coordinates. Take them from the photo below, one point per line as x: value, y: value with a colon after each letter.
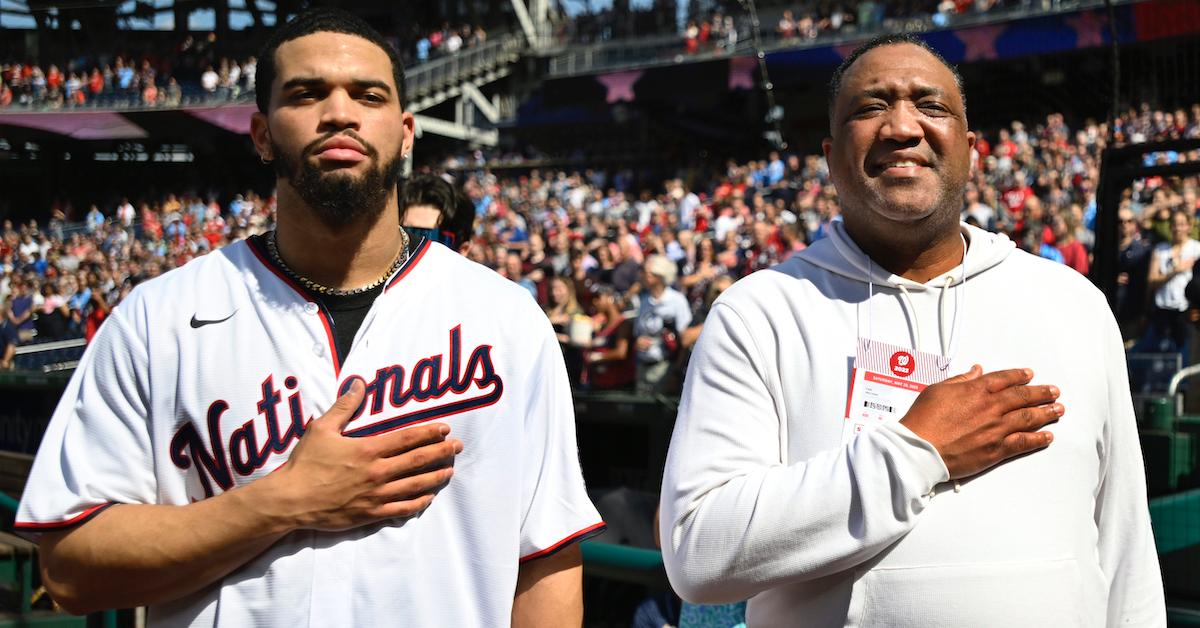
x: 126, y: 124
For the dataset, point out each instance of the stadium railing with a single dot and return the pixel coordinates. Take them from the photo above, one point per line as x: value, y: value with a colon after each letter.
x: 452, y: 70
x: 50, y: 357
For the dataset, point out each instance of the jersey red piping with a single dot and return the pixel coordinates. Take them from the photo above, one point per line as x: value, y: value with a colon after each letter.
x: 337, y: 366
x: 422, y: 248
x: 80, y: 518
x: 589, y: 531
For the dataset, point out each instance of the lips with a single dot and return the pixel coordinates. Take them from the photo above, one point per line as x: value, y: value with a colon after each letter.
x: 341, y: 149
x: 901, y: 165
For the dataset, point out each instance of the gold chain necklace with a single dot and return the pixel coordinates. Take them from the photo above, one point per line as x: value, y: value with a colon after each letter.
x: 401, y: 257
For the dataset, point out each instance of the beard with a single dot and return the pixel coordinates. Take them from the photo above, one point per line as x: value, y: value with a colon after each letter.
x: 339, y: 199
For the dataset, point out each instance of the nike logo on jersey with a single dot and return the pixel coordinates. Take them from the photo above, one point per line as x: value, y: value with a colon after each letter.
x: 197, y: 323
x: 463, y: 386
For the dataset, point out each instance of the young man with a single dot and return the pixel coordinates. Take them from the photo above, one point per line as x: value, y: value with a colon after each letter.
x: 432, y: 207
x: 825, y: 468
x: 260, y: 437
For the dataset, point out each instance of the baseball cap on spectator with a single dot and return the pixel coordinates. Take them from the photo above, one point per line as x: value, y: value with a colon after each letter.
x: 663, y: 267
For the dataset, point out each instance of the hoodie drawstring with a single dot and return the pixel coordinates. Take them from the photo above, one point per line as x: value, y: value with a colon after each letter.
x: 906, y: 299
x: 944, y: 339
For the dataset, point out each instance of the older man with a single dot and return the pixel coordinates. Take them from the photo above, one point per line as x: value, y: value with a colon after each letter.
x: 823, y: 464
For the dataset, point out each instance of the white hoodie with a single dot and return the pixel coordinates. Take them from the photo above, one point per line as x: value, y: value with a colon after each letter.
x: 761, y: 499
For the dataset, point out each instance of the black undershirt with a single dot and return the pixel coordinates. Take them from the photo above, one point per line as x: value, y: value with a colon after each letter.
x: 346, y: 313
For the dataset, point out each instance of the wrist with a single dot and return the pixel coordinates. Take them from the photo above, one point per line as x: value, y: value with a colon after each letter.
x: 272, y: 503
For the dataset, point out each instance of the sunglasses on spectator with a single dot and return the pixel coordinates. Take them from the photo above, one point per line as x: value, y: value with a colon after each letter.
x: 442, y: 236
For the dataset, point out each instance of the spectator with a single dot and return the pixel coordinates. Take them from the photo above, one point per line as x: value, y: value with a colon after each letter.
x: 513, y: 271
x: 1133, y: 258
x: 9, y: 338
x: 610, y: 363
x: 699, y: 273
x: 1170, y: 271
x: 786, y: 29
x: 54, y: 315
x: 628, y: 266
x: 209, y: 81
x: 432, y: 207
x: 125, y: 76
x: 20, y: 310
x: 1073, y: 252
x: 95, y: 313
x: 95, y: 219
x: 423, y: 46
x: 662, y: 315
x: 567, y: 317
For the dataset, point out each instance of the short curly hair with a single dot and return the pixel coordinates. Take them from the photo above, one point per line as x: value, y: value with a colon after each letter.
x: 319, y: 20
x: 835, y: 83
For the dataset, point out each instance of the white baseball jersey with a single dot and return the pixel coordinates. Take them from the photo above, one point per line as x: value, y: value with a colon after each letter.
x: 203, y: 380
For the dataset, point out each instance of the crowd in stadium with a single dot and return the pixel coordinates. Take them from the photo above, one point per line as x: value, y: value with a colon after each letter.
x: 628, y: 275
x: 194, y: 72
x: 191, y: 74
x: 447, y: 40
x: 797, y: 21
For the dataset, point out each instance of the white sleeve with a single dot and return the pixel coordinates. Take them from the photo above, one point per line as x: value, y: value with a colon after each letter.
x: 1126, y: 549
x: 556, y: 508
x: 736, y: 521
x: 96, y: 450
x: 683, y: 315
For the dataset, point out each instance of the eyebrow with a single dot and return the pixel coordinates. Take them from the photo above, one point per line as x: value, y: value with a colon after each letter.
x: 306, y: 81
x: 884, y: 93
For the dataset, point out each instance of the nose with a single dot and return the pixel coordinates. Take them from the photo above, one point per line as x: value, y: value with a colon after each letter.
x: 339, y: 111
x: 902, y: 123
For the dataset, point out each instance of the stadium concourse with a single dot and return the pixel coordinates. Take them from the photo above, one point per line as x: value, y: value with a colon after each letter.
x: 581, y: 242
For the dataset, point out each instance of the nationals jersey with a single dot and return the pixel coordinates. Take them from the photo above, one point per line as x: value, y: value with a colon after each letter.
x: 204, y: 379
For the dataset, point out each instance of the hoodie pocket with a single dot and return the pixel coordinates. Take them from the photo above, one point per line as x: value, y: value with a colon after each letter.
x: 1034, y: 594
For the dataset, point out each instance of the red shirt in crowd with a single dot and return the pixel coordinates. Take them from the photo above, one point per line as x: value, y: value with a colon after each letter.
x: 1075, y: 256
x: 1015, y: 199
x: 982, y: 147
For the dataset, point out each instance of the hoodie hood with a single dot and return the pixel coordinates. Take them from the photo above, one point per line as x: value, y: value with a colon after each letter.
x: 840, y: 255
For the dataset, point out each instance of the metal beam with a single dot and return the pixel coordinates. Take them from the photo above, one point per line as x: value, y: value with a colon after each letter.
x: 486, y: 107
x: 531, y: 33
x: 486, y: 137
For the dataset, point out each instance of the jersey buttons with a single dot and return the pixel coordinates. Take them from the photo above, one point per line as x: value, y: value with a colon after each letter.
x: 318, y: 349
x: 311, y: 308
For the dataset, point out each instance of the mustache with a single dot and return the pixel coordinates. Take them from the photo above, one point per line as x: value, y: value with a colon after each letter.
x: 311, y: 147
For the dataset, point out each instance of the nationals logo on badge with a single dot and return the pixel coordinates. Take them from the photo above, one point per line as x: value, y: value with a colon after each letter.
x: 901, y: 363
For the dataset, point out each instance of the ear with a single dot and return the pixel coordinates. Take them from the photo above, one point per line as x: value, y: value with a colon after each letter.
x: 970, y: 146
x: 260, y: 133
x: 408, y: 126
x: 827, y: 146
